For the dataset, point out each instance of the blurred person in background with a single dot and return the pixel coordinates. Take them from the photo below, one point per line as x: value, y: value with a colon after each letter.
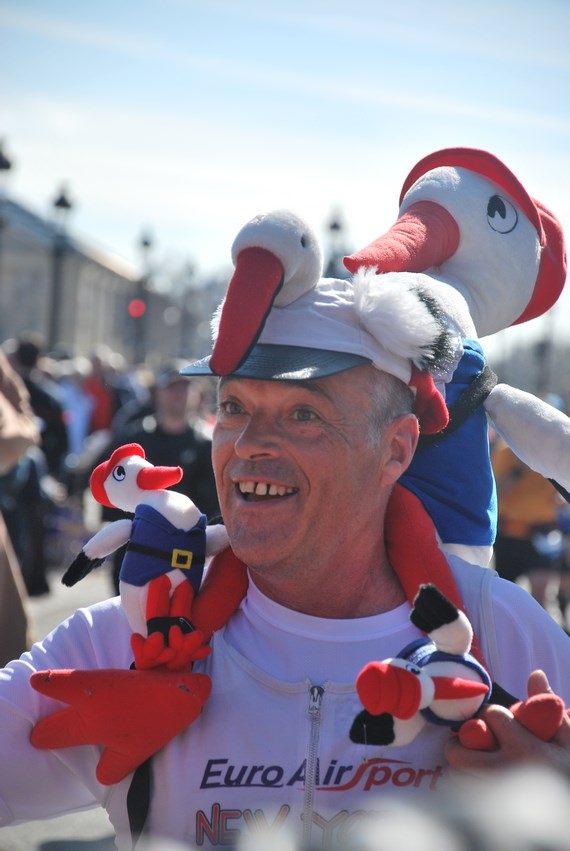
x: 18, y: 433
x: 173, y: 431
x: 111, y: 384
x: 34, y: 486
x: 45, y: 400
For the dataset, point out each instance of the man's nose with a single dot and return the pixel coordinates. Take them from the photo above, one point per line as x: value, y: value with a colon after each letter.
x: 259, y: 437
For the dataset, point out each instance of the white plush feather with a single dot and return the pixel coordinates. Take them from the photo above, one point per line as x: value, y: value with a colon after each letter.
x: 392, y: 309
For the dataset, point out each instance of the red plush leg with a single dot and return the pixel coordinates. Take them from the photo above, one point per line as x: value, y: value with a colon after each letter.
x: 131, y: 714
x: 475, y: 735
x: 541, y: 714
x: 181, y: 649
x: 181, y: 601
x: 158, y: 597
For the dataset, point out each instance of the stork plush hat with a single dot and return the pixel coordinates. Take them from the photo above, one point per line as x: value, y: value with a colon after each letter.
x: 281, y: 321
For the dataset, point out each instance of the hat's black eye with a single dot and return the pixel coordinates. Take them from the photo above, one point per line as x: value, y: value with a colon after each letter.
x: 119, y: 473
x: 304, y: 241
x: 501, y: 214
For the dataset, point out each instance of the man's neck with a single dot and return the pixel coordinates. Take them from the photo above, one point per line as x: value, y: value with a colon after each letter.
x: 342, y: 596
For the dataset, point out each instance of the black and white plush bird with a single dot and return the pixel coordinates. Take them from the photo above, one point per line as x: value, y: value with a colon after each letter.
x: 433, y: 680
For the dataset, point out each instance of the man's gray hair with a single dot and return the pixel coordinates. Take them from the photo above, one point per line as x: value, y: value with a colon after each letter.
x: 390, y: 398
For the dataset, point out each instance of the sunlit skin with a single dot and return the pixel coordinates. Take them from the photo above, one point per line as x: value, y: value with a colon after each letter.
x: 317, y: 545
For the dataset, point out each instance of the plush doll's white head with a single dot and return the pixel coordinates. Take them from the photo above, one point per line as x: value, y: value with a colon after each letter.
x: 469, y: 234
x: 467, y: 222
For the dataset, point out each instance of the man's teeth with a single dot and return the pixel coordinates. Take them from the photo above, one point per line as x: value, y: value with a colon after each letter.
x: 263, y: 489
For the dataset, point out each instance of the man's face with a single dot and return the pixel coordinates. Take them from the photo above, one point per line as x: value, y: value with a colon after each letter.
x: 297, y: 474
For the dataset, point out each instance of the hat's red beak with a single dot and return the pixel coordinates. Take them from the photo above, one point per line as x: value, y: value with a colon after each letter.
x: 257, y: 279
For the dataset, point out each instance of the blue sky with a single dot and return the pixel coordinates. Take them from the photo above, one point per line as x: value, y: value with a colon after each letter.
x: 188, y: 118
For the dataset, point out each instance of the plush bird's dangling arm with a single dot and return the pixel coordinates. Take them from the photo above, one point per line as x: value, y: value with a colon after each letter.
x: 95, y: 551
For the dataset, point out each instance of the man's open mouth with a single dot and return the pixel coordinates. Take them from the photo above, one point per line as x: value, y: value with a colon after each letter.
x: 256, y: 490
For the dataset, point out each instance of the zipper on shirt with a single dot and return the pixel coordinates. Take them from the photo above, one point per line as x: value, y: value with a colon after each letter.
x: 316, y: 694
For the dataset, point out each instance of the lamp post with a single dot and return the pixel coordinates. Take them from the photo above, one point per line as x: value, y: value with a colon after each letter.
x: 334, y: 267
x: 62, y: 207
x: 138, y: 306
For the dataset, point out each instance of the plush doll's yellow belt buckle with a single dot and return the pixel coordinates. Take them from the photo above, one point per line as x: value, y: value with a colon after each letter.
x: 181, y: 559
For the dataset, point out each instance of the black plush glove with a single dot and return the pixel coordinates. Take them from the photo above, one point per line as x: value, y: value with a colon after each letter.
x: 80, y: 567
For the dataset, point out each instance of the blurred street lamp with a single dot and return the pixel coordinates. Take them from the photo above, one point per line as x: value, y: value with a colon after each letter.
x: 334, y: 267
x: 5, y: 161
x: 62, y: 207
x: 138, y: 306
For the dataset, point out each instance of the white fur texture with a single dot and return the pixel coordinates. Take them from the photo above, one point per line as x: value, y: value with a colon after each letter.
x: 389, y: 306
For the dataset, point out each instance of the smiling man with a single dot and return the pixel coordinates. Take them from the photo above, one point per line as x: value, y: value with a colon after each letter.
x: 322, y: 394
x: 293, y: 459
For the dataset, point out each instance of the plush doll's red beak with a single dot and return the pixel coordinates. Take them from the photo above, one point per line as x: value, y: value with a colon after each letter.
x: 383, y: 687
x: 157, y: 478
x: 257, y: 279
x: 456, y: 688
x: 424, y: 236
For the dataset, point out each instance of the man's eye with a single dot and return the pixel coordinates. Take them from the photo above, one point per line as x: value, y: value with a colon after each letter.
x: 304, y: 415
x: 229, y: 408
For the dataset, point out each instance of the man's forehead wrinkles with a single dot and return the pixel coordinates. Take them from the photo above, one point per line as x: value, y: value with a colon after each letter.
x: 316, y: 386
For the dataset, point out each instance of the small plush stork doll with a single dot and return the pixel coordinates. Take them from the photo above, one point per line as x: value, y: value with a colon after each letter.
x: 134, y: 713
x: 167, y: 541
x: 437, y: 680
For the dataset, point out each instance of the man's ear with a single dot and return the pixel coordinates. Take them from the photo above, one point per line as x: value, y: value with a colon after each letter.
x: 400, y: 440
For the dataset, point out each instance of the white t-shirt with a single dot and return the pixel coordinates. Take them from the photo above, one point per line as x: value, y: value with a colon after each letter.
x: 272, y: 745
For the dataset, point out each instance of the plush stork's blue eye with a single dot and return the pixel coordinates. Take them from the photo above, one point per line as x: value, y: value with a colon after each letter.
x: 501, y: 214
x: 413, y: 669
x: 119, y: 473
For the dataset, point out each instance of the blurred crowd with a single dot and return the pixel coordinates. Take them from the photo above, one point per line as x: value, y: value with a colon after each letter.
x: 69, y: 413
x: 77, y: 410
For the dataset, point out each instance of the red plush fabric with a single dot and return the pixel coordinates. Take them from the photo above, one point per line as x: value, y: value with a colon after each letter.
x: 257, y: 279
x: 421, y: 238
x: 541, y: 714
x: 383, y: 687
x: 221, y: 592
x: 131, y: 714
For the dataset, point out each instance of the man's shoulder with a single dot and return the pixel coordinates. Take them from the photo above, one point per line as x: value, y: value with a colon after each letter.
x: 470, y: 577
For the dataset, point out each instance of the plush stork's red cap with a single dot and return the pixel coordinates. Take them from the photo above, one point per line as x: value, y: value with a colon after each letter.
x: 148, y: 478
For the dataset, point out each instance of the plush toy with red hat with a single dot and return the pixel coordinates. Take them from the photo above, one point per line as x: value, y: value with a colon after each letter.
x: 167, y: 543
x: 469, y: 236
x: 133, y: 713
